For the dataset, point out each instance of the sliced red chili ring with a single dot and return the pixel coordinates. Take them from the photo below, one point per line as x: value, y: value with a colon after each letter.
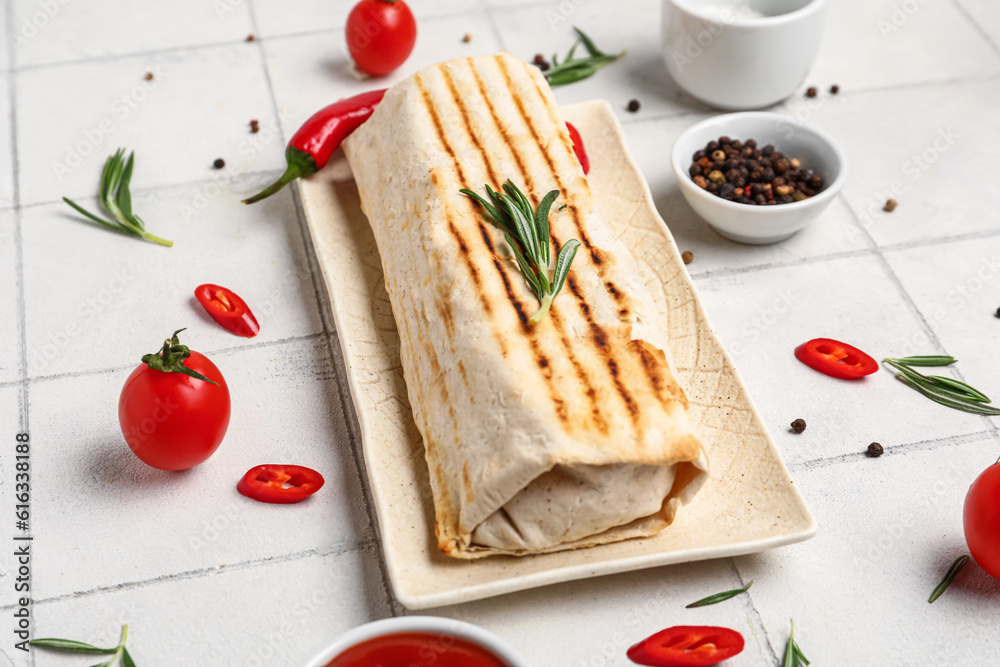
x: 228, y: 310
x: 579, y: 148
x: 278, y: 483
x: 835, y: 359
x: 687, y: 646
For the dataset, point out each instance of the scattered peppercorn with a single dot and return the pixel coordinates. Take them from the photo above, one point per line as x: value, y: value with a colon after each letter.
x: 742, y: 172
x: 254, y: 126
x: 890, y: 205
x: 149, y: 76
x: 998, y: 312
x: 219, y: 163
x: 799, y: 425
x: 811, y: 91
x: 251, y: 37
x: 834, y: 89
x: 467, y: 37
x: 875, y: 450
x: 687, y: 256
x: 633, y: 105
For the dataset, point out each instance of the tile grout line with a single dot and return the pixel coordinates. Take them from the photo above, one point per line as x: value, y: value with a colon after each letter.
x: 918, y: 446
x: 976, y: 25
x: 756, y: 613
x: 205, y: 571
x: 915, y: 310
x: 24, y: 417
x: 216, y: 352
x: 494, y: 27
x: 230, y: 178
x: 207, y: 45
x: 346, y: 404
x: 722, y: 273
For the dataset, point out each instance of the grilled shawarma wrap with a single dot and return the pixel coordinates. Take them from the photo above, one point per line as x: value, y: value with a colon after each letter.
x: 539, y: 437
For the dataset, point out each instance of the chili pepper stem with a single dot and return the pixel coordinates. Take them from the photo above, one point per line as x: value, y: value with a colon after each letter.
x: 300, y: 164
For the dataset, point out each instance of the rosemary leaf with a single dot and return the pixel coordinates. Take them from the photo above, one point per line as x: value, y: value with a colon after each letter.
x: 960, y: 387
x: 927, y: 360
x: 947, y: 391
x: 70, y: 645
x: 794, y: 657
x: 115, y: 197
x: 719, y: 597
x: 949, y: 577
x: 573, y: 69
x: 528, y: 234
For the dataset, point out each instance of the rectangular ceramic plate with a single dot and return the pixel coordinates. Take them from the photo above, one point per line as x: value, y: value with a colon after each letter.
x: 749, y: 504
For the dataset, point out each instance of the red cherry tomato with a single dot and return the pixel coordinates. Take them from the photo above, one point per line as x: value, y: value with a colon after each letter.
x: 579, y: 148
x: 171, y: 420
x: 273, y: 483
x: 228, y: 310
x: 687, y: 646
x: 982, y: 520
x: 380, y: 35
x: 836, y: 359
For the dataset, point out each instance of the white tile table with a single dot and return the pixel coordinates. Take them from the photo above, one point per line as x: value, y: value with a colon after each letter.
x: 208, y: 579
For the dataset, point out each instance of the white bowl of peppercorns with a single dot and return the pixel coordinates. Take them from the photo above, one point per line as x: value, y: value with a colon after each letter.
x: 758, y: 177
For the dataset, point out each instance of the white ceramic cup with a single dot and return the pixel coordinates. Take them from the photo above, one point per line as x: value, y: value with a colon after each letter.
x: 447, y: 629
x: 741, y: 63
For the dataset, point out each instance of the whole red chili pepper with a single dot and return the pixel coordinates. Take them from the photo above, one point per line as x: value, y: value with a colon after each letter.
x: 312, y: 145
x: 578, y: 148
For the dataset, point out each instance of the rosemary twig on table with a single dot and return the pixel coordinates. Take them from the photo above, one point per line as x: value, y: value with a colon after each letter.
x: 719, y: 597
x: 527, y: 232
x: 949, y: 577
x: 117, y: 200
x: 119, y: 654
x: 573, y: 69
x: 794, y: 657
x: 944, y: 390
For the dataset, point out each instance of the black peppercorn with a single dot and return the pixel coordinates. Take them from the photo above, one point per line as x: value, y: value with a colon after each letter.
x: 811, y: 91
x: 219, y: 163
x: 875, y: 450
x: 998, y: 312
x: 799, y: 425
x: 699, y: 154
x: 712, y: 146
x: 834, y: 89
x: 633, y: 105
x: 687, y: 256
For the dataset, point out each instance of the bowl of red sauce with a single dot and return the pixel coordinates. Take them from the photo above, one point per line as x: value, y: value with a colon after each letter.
x: 418, y: 641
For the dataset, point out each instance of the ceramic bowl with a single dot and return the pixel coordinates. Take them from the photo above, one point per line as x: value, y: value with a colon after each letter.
x: 724, y: 57
x: 761, y: 224
x: 446, y: 628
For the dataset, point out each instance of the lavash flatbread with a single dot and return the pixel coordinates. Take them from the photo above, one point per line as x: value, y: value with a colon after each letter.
x: 563, y: 434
